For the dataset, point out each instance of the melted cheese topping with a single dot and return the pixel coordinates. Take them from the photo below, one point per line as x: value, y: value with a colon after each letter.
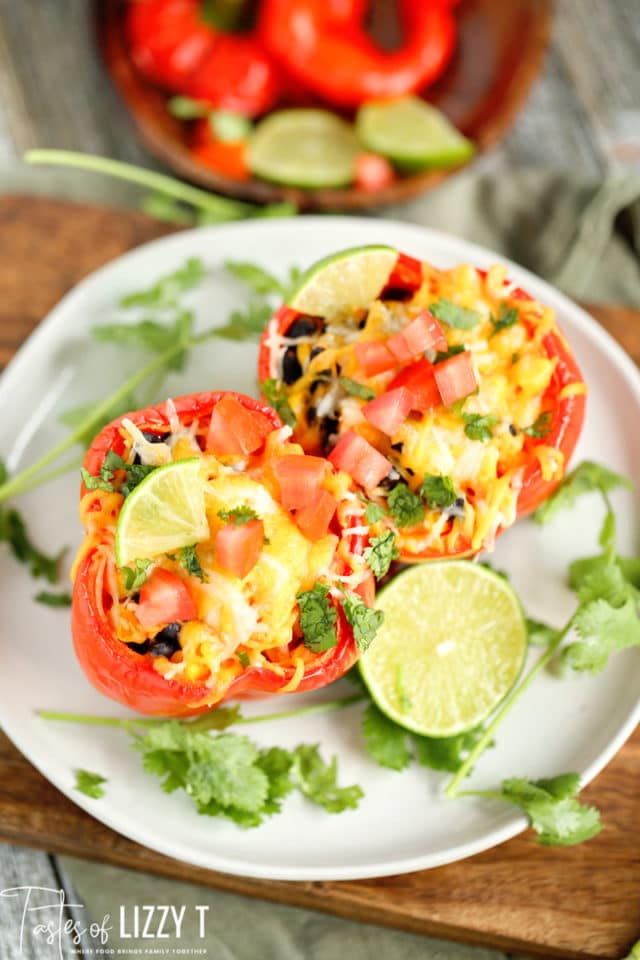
x: 515, y: 377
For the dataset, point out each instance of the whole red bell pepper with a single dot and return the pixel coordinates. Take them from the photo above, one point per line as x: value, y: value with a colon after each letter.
x: 127, y: 674
x: 322, y: 44
x: 565, y: 407
x: 173, y: 46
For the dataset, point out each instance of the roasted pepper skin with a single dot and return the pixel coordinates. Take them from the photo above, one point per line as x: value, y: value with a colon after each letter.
x: 131, y: 679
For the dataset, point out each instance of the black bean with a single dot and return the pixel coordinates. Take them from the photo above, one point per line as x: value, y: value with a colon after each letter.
x: 291, y: 369
x: 140, y: 648
x: 459, y: 502
x: 167, y: 642
x: 397, y: 293
x: 315, y: 351
x: 391, y: 480
x: 305, y: 327
x: 398, y: 446
x: 154, y: 437
x: 311, y: 415
x: 512, y: 430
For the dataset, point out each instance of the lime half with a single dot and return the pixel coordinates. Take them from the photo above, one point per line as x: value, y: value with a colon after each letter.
x: 345, y: 281
x: 412, y: 134
x: 164, y: 513
x: 452, y: 645
x: 304, y: 148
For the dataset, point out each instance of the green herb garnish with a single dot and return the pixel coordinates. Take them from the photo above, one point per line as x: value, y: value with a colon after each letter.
x: 275, y: 393
x: 381, y: 552
x: 438, y: 491
x: 455, y: 316
x: 357, y: 389
x: 479, y: 426
x: 406, y: 507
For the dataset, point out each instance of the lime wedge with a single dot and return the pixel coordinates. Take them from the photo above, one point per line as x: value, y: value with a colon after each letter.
x: 412, y: 134
x: 347, y: 280
x: 304, y: 148
x: 452, y: 645
x: 164, y: 513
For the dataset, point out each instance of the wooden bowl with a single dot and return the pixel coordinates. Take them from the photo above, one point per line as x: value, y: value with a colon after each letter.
x: 501, y: 45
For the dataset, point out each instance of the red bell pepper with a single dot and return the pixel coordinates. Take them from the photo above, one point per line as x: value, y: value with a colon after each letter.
x: 566, y: 409
x: 127, y: 674
x: 173, y: 46
x: 323, y: 45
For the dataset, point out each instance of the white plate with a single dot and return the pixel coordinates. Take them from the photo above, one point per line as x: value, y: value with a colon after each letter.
x: 403, y: 823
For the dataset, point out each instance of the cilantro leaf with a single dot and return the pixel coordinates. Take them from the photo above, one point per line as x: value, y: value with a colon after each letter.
x: 586, y: 478
x: 444, y: 753
x: 451, y: 351
x: 384, y: 740
x: 479, y: 426
x: 256, y: 278
x: 406, y: 507
x: 276, y: 764
x: 187, y: 557
x: 507, y: 316
x: 455, y: 316
x: 13, y: 531
x: 438, y: 491
x: 239, y: 515
x: 374, y: 511
x: 149, y: 335
x: 243, y: 657
x: 275, y: 393
x: 555, y: 813
x: 538, y: 633
x: 135, y: 575
x: 317, y: 780
x: 165, y: 292
x: 357, y: 389
x: 604, y: 629
x: 105, y: 480
x: 185, y: 108
x: 246, y: 324
x: 317, y: 618
x: 381, y: 552
x: 50, y: 599
x: 364, y: 620
x: 541, y: 426
x: 90, y: 783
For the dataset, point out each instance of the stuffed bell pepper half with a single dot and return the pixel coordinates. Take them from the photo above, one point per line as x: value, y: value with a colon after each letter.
x: 214, y: 563
x: 450, y: 396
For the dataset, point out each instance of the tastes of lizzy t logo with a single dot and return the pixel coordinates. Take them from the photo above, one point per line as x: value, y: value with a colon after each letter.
x: 44, y: 917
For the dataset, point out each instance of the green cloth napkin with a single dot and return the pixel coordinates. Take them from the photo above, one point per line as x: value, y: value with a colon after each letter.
x: 583, y: 237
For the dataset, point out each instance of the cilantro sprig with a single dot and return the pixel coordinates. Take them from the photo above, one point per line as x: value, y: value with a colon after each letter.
x: 438, y: 491
x: 507, y: 317
x: 239, y: 515
x: 319, y: 616
x: 134, y: 474
x: 405, y: 506
x: 453, y: 315
x: 275, y: 394
x: 381, y: 552
x: 90, y: 784
x: 356, y: 389
x: 479, y: 426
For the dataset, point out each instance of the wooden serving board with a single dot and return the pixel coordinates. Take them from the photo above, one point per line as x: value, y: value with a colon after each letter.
x: 581, y: 902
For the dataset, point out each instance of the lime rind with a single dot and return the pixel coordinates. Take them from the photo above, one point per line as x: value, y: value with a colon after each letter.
x: 345, y: 281
x: 412, y: 135
x: 304, y: 148
x: 452, y: 645
x: 164, y: 513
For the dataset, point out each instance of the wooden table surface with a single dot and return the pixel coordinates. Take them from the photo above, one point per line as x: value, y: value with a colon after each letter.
x: 583, y: 115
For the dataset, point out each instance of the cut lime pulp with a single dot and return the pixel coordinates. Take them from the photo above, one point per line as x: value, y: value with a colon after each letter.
x: 164, y: 513
x: 303, y: 148
x: 346, y: 281
x: 412, y: 134
x: 452, y: 645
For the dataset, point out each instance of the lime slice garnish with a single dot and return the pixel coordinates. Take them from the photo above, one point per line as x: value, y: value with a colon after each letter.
x: 304, y: 148
x: 412, y: 134
x: 164, y: 513
x: 346, y: 281
x: 451, y: 646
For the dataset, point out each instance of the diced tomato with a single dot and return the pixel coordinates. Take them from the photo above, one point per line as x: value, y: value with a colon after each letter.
x: 373, y: 172
x: 227, y: 158
x: 236, y: 430
x: 299, y: 479
x: 164, y: 598
x: 423, y: 333
x: 455, y: 377
x: 238, y: 547
x: 406, y: 276
x: 366, y: 589
x: 313, y: 519
x: 373, y: 357
x: 357, y: 457
x: 389, y: 411
x: 419, y: 380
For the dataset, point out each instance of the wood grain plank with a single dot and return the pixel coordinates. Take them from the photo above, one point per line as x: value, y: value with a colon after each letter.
x: 521, y: 897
